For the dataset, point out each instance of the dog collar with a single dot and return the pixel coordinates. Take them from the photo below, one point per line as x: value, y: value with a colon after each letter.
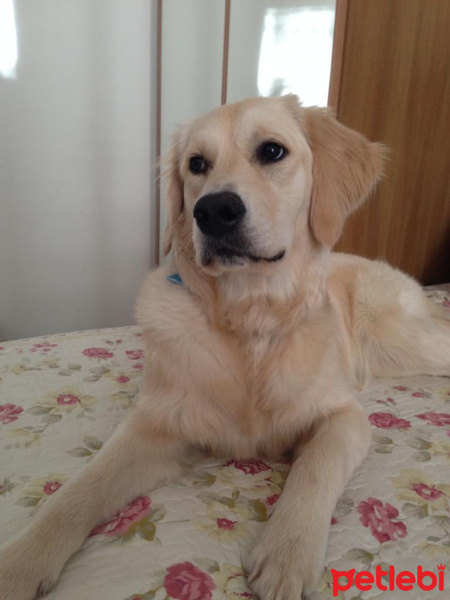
x: 175, y: 278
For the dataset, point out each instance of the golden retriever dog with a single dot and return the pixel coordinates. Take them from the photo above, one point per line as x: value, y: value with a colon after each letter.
x: 260, y: 350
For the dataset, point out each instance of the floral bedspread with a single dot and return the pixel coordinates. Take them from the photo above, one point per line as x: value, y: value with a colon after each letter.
x: 60, y: 399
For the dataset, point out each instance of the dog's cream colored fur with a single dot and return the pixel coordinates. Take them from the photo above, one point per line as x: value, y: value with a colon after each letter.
x: 255, y: 359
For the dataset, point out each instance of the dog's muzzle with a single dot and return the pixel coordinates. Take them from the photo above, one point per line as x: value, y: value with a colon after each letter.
x: 219, y: 214
x: 220, y: 218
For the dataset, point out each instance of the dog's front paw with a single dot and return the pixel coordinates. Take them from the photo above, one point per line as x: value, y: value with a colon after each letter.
x: 287, y: 561
x: 25, y: 574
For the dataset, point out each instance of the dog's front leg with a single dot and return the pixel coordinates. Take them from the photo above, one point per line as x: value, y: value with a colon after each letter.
x: 133, y: 461
x: 289, y: 556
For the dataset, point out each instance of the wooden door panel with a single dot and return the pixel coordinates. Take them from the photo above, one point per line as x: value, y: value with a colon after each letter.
x: 395, y: 88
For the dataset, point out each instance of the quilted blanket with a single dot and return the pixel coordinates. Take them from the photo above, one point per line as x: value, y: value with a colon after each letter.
x: 61, y: 396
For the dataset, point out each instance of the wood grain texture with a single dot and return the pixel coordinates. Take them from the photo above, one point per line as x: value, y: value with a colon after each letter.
x: 395, y: 88
x: 340, y: 24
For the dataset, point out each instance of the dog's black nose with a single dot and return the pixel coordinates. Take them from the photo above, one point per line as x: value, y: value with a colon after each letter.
x: 219, y: 214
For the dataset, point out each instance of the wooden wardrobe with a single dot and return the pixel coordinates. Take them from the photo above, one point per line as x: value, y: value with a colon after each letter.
x: 391, y: 81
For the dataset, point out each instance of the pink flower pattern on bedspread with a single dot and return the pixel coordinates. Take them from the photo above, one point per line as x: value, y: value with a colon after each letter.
x: 185, y: 581
x: 381, y: 519
x: 122, y: 522
x: 9, y: 413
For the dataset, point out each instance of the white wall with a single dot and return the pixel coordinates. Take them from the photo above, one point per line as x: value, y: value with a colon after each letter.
x: 77, y: 223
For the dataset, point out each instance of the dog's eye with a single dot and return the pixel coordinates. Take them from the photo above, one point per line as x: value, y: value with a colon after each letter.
x: 271, y: 152
x: 198, y: 165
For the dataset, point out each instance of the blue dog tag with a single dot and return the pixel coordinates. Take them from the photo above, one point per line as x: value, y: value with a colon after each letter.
x: 175, y: 278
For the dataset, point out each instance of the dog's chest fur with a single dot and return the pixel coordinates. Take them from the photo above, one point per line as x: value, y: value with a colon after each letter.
x: 240, y: 389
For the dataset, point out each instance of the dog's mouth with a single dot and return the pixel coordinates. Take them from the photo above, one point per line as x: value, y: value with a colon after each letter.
x: 233, y: 257
x: 228, y: 253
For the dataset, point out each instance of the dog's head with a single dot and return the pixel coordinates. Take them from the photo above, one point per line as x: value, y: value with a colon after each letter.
x: 249, y: 179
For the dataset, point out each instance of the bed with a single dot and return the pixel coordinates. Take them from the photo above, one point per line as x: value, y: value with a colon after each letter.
x: 61, y: 396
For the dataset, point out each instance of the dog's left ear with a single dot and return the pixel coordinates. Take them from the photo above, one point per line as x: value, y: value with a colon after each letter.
x: 173, y: 189
x: 346, y: 166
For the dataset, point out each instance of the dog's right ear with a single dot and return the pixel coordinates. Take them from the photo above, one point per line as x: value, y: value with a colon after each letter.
x: 173, y: 189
